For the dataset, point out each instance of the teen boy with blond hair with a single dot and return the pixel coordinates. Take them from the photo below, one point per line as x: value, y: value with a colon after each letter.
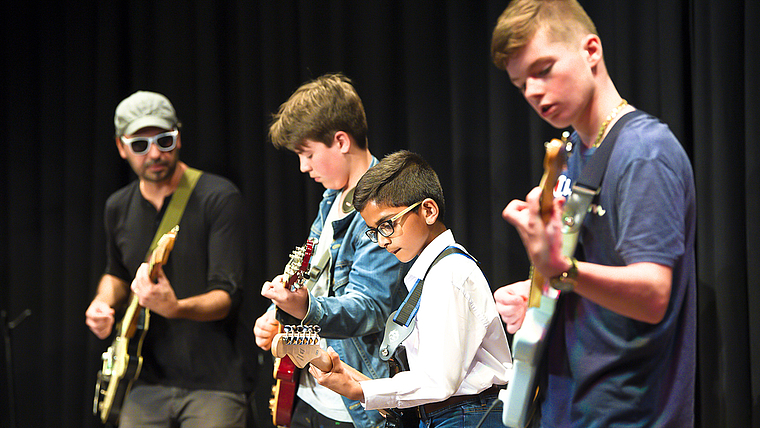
x: 622, y: 349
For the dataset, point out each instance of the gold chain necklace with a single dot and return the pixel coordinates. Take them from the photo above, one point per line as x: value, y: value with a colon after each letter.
x: 607, y: 121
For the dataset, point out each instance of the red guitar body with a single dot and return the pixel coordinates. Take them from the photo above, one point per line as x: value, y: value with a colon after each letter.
x: 286, y: 374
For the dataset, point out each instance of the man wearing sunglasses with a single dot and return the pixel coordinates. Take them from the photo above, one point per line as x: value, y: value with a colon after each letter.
x: 192, y: 373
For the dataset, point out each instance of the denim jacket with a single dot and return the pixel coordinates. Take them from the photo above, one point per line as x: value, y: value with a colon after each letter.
x: 365, y: 289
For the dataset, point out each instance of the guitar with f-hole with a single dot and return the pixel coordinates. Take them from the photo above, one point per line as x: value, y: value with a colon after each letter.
x: 286, y: 373
x: 122, y: 361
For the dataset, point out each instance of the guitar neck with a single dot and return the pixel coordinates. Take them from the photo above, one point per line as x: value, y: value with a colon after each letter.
x: 130, y: 319
x: 546, y: 205
x: 553, y: 163
x: 129, y: 327
x: 537, y: 282
x: 153, y: 267
x: 323, y: 362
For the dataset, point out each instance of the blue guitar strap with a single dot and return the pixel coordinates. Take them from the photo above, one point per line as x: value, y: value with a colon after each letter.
x: 401, y: 322
x: 587, y: 186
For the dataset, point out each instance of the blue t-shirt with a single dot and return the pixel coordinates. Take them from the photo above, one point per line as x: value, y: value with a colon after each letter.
x: 604, y: 369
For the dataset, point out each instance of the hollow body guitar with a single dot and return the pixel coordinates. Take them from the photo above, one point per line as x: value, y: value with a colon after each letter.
x: 529, y: 342
x: 122, y: 361
x: 286, y: 373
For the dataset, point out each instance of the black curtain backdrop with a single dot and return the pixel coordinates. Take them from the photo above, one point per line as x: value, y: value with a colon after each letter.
x: 424, y: 72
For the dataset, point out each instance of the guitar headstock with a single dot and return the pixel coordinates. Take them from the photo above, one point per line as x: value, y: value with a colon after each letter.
x: 301, y: 344
x: 165, y: 246
x: 554, y: 162
x: 295, y: 270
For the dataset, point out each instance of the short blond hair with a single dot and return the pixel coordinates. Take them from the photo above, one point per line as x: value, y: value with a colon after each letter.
x: 316, y: 111
x: 522, y: 18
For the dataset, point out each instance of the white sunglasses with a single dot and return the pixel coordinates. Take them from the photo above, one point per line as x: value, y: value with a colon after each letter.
x: 165, y: 142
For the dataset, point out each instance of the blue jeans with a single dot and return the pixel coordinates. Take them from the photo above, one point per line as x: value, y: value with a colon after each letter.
x: 154, y: 406
x: 466, y: 414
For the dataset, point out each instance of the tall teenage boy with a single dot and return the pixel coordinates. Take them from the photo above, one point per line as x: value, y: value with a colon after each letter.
x: 622, y: 349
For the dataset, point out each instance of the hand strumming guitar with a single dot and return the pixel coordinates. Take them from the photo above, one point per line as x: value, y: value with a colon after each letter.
x: 264, y: 330
x: 512, y: 302
x: 341, y: 378
x: 100, y: 318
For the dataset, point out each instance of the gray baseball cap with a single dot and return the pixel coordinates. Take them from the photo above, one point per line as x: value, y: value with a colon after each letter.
x: 143, y: 109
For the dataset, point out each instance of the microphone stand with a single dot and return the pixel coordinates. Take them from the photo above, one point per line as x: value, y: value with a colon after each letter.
x: 7, y: 327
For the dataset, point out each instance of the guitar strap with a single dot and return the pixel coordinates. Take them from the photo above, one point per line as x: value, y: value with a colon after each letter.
x: 584, y: 190
x: 316, y: 269
x: 176, y: 206
x: 587, y: 186
x: 397, y: 328
x: 401, y: 322
x: 171, y: 218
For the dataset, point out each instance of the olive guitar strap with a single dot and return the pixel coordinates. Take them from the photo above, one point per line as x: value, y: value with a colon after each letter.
x: 176, y: 206
x: 587, y: 186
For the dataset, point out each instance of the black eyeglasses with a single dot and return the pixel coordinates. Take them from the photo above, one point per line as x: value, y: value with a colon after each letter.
x: 386, y: 228
x: 165, y: 142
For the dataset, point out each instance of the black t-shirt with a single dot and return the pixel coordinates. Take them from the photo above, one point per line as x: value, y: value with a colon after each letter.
x: 208, y: 254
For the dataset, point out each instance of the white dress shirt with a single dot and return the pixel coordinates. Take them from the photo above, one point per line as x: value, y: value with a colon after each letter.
x: 458, y: 346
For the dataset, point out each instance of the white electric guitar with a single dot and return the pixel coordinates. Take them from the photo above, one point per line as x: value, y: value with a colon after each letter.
x: 529, y: 341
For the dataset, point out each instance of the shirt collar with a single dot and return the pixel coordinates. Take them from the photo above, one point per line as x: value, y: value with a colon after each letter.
x: 427, y: 256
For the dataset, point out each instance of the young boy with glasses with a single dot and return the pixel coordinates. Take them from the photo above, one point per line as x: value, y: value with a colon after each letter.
x: 457, y: 351
x: 324, y: 123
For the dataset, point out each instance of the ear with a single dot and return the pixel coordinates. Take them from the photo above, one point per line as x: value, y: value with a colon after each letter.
x: 343, y: 140
x: 592, y: 49
x: 429, y: 211
x: 122, y: 148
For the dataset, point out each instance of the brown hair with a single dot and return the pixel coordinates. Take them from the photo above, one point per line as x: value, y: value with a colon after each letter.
x: 402, y: 178
x: 316, y: 111
x: 522, y: 18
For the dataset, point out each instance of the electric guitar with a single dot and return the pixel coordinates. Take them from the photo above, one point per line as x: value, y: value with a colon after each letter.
x: 285, y: 372
x: 301, y: 344
x: 529, y: 341
x: 122, y: 361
